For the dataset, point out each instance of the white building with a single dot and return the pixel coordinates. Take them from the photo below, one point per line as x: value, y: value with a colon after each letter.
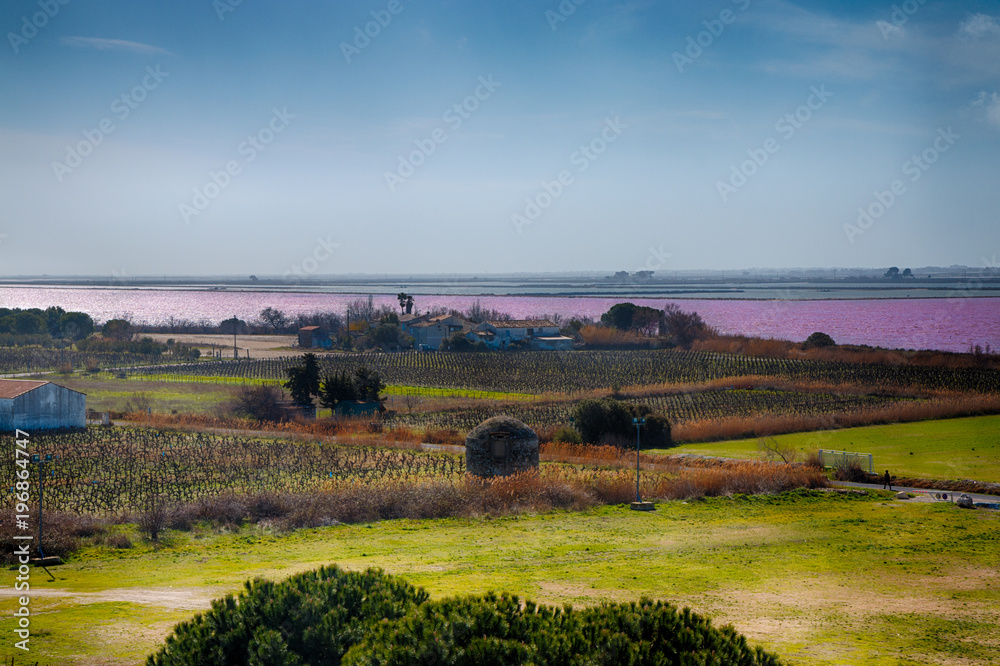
x: 536, y: 333
x: 429, y: 333
x: 35, y: 405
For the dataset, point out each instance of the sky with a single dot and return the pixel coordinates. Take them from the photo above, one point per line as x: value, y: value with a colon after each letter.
x: 231, y: 137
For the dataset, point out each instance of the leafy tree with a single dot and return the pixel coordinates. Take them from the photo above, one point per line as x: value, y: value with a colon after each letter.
x: 52, y: 316
x: 258, y: 402
x: 368, y: 384
x: 387, y: 336
x: 457, y: 342
x: 233, y: 325
x: 818, y: 339
x: 599, y: 419
x: 891, y: 273
x: 631, y: 317
x: 907, y: 273
x: 303, y: 380
x: 118, y: 330
x: 274, y: 318
x: 75, y: 325
x: 683, y: 327
x: 620, y: 316
x: 336, y: 388
x: 596, y: 419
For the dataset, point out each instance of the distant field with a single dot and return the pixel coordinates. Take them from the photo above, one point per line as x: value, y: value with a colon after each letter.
x: 587, y: 370
x: 820, y: 579
x: 966, y: 448
x: 109, y: 394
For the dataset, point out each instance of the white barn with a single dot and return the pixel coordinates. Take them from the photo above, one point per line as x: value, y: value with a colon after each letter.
x: 35, y: 405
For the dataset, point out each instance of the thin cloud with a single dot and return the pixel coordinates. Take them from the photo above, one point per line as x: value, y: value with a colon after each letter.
x: 113, y: 45
x: 978, y: 26
x: 990, y: 104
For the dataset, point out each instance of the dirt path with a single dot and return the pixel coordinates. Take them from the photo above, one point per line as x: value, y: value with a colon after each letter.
x: 170, y: 598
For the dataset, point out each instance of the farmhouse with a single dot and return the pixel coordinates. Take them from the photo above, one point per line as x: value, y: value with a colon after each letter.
x: 536, y: 333
x: 36, y: 405
x: 428, y: 334
x: 314, y: 336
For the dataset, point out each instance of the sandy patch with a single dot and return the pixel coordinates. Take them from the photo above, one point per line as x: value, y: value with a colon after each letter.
x: 259, y: 346
x: 171, y: 598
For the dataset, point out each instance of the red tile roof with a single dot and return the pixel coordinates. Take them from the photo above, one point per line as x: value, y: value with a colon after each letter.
x: 11, y: 388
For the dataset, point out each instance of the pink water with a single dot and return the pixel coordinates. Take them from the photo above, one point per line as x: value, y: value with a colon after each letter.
x: 950, y: 324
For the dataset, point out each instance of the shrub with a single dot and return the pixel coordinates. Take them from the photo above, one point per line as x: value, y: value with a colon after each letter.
x: 138, y: 403
x: 566, y: 435
x: 595, y: 419
x: 331, y: 616
x: 314, y: 617
x: 497, y: 629
x: 609, y: 421
x: 850, y: 470
x: 261, y: 403
x: 445, y: 436
x: 819, y: 339
x: 152, y: 522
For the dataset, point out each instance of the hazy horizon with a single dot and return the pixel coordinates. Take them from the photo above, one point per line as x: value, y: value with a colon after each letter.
x: 399, y: 138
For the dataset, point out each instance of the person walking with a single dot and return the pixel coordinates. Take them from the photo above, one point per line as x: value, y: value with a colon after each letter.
x: 888, y: 481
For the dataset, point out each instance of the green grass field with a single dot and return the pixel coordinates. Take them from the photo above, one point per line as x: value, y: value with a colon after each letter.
x: 966, y: 448
x: 109, y: 394
x: 820, y: 578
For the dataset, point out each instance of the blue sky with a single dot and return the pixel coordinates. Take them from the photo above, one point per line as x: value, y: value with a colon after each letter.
x: 142, y: 138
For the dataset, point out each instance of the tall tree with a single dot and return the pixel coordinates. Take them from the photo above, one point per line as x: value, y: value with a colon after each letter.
x: 368, y: 384
x: 274, y: 318
x: 303, y: 380
x: 336, y: 388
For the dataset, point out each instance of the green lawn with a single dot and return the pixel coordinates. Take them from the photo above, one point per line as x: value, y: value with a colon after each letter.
x: 107, y: 394
x: 820, y: 578
x: 966, y: 448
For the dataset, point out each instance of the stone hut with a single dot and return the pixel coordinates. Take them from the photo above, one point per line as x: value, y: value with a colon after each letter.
x: 501, y: 446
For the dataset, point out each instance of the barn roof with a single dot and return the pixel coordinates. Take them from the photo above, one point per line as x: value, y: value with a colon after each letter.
x: 11, y: 388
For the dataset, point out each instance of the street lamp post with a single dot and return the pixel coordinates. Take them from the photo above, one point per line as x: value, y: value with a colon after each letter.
x: 39, y: 460
x: 638, y: 422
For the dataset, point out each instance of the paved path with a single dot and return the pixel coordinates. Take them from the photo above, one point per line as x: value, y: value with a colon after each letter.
x: 976, y: 497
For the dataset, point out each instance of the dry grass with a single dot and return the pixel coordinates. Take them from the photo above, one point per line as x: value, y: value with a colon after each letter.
x: 768, y: 347
x: 352, y: 501
x: 740, y: 427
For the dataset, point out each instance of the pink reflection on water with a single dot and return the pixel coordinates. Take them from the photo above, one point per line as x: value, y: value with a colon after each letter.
x: 950, y: 324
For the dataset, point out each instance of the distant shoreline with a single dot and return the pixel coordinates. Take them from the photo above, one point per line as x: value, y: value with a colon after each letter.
x: 758, y: 291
